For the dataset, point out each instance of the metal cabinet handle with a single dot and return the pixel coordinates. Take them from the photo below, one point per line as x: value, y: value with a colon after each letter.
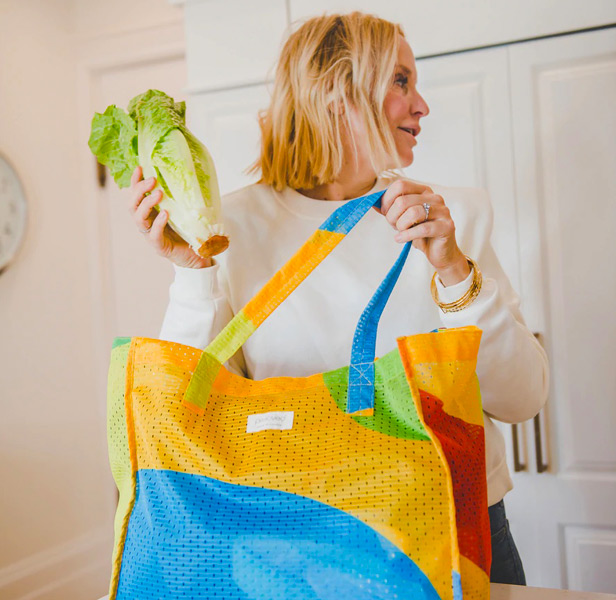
x: 542, y: 466
x: 518, y: 465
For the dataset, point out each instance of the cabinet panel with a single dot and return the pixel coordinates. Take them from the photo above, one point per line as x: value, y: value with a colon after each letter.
x: 591, y: 556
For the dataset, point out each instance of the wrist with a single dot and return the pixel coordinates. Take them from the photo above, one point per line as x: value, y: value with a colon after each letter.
x: 455, y: 272
x: 467, y: 298
x: 195, y: 263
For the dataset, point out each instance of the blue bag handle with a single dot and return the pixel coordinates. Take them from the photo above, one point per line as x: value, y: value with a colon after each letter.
x: 361, y: 367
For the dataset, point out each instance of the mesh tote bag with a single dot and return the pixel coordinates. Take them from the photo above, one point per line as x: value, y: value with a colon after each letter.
x: 366, y: 482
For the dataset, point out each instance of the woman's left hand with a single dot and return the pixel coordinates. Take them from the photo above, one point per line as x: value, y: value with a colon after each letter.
x: 402, y: 206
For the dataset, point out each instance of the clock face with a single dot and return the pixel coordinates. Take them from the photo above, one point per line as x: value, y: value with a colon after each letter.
x: 12, y: 213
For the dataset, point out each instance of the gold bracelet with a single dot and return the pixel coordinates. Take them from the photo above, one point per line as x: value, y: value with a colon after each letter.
x: 467, y: 298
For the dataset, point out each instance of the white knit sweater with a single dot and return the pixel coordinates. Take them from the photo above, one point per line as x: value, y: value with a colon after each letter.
x: 312, y: 330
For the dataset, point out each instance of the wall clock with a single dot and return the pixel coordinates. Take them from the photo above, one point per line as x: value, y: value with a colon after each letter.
x: 13, y: 214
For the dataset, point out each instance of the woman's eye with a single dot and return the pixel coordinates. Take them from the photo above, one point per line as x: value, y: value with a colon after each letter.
x: 402, y: 80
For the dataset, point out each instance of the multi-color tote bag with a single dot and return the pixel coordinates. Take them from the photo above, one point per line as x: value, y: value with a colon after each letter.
x: 365, y: 482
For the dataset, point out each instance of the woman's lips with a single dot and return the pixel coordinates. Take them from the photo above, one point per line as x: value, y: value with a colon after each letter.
x: 407, y: 131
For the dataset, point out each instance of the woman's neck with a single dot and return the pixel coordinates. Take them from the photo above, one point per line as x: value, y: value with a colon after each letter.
x: 344, y: 188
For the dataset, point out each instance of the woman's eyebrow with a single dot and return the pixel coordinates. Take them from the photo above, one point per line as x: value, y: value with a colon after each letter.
x: 406, y: 70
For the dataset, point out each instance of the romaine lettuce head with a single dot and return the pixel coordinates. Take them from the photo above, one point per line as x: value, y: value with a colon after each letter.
x: 154, y: 135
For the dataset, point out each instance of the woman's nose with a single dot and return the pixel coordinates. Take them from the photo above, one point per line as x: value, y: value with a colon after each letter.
x: 420, y: 106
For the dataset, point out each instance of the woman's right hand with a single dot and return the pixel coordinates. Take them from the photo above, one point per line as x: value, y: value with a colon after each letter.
x: 154, y: 227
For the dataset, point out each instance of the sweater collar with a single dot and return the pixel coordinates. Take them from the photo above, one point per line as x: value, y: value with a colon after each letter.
x: 311, y: 208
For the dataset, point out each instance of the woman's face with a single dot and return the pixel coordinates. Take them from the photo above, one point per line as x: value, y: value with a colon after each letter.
x: 403, y: 105
x: 403, y: 108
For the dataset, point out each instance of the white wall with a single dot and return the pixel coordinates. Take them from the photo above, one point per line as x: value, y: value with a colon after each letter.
x: 57, y: 497
x: 93, y: 19
x: 52, y: 443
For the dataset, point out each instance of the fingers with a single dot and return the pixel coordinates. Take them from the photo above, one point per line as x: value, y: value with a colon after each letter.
x: 415, y: 215
x: 157, y: 228
x: 403, y: 188
x: 150, y: 222
x: 136, y: 176
x: 141, y: 201
x: 145, y: 214
x: 439, y: 225
x: 403, y: 208
x: 139, y: 190
x: 408, y: 209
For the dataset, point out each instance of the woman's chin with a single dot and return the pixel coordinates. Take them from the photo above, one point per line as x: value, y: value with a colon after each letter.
x: 406, y: 158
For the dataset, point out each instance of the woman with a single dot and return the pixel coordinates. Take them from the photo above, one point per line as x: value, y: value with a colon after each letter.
x: 344, y: 112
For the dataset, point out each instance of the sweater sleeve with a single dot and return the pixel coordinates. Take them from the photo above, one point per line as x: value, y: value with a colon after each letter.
x: 512, y: 366
x: 198, y: 310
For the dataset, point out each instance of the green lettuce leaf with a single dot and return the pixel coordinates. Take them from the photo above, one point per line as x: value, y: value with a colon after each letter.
x: 113, y: 140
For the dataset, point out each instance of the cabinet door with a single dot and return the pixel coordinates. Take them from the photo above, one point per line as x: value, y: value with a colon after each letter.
x: 466, y: 138
x: 564, y: 131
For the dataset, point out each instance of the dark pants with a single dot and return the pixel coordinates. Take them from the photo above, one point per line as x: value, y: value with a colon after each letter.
x: 506, y: 563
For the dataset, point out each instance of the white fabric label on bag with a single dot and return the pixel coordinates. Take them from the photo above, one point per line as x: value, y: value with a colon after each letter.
x: 270, y: 420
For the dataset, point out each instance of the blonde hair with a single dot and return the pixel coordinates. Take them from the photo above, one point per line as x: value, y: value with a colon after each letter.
x: 329, y: 62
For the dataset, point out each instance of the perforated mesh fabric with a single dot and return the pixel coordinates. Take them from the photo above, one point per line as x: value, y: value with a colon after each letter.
x: 463, y: 444
x: 337, y: 506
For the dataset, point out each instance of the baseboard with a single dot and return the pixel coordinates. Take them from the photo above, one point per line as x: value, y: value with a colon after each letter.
x: 76, y: 570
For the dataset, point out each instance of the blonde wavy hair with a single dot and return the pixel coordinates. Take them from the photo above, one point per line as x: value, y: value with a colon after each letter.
x: 329, y: 62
